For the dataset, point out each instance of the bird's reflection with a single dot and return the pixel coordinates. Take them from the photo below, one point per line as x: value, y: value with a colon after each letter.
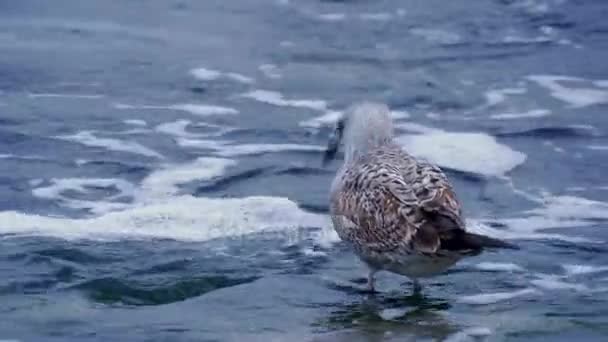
x: 387, y: 316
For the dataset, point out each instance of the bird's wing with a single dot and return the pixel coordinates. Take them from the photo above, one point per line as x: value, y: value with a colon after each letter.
x: 383, y: 210
x: 435, y: 195
x: 397, y: 205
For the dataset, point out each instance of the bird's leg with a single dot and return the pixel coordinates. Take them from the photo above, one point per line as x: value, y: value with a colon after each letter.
x: 417, y: 286
x: 371, y: 281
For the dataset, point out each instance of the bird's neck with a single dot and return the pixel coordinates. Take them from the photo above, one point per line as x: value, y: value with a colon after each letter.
x: 360, y: 148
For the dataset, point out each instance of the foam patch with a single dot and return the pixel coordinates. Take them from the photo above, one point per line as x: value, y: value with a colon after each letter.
x: 270, y: 70
x: 332, y: 116
x: 565, y: 208
x: 163, y: 183
x: 493, y: 298
x: 577, y: 97
x: 254, y: 149
x: 60, y: 187
x: 136, y: 122
x: 497, y: 266
x: 437, y: 36
x: 196, y: 109
x: 65, y: 96
x: 551, y: 282
x: 380, y: 16
x: 181, y: 217
x: 476, y: 333
x: 572, y: 270
x: 204, y: 74
x: 332, y: 17
x: 203, y: 110
x: 226, y: 148
x: 470, y: 152
x: 277, y: 99
x: 89, y: 139
x: 535, y: 113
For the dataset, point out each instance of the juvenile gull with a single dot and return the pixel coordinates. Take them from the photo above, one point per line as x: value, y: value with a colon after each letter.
x: 399, y: 213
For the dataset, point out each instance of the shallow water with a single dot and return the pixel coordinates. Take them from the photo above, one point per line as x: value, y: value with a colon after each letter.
x: 161, y: 179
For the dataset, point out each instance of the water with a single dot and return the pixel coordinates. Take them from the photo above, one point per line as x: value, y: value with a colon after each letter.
x: 161, y: 180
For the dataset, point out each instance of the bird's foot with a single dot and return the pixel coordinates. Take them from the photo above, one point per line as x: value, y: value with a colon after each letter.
x: 417, y: 287
x: 371, y: 281
x: 360, y: 281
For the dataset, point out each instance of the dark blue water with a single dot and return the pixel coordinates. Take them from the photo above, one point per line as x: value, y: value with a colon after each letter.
x: 161, y: 180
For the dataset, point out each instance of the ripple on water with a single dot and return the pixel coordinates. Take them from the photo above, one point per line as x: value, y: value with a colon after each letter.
x: 120, y: 291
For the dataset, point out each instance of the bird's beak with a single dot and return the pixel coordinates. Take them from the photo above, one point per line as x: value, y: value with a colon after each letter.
x: 332, y: 146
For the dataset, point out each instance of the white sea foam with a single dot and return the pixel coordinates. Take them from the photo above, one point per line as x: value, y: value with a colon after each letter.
x: 601, y: 83
x: 204, y: 74
x: 393, y: 313
x: 499, y: 266
x: 437, y: 36
x: 413, y: 127
x: 526, y: 40
x: 164, y: 182
x: 254, y: 149
x: 196, y: 109
x: 433, y: 116
x: 179, y: 217
x: 67, y: 96
x: 576, y: 96
x: 496, y: 96
x: 379, y: 16
x: 158, y: 211
x: 331, y: 116
x: 35, y: 182
x: 535, y: 113
x: 135, y: 122
x: 270, y: 71
x: 312, y: 252
x: 532, y: 227
x: 533, y: 6
x: 176, y: 128
x: 202, y: 143
x: 571, y: 208
x: 204, y: 110
x: 553, y: 212
x: 277, y: 99
x: 327, y: 119
x: 59, y: 187
x: 466, y: 335
x: 583, y: 269
x: 332, y: 17
x: 240, y: 78
x: 552, y: 282
x: 471, y: 152
x: 89, y: 139
x: 492, y: 298
x: 229, y: 149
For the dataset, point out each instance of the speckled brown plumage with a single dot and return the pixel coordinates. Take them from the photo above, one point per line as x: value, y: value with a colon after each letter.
x: 399, y: 213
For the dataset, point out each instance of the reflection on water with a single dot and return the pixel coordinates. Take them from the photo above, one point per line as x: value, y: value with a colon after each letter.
x: 389, y: 316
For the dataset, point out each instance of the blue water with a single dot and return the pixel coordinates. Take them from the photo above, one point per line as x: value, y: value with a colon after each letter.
x: 161, y: 180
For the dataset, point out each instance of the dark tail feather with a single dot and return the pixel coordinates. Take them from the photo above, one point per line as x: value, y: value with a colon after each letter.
x: 481, y: 241
x: 474, y: 243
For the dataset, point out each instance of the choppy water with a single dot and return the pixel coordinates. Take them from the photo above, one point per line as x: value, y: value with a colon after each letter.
x: 160, y: 167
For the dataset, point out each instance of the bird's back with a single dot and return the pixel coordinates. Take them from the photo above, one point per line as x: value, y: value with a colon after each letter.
x: 388, y: 203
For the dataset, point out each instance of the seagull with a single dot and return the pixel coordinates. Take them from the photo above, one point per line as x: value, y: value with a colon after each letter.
x: 398, y: 213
